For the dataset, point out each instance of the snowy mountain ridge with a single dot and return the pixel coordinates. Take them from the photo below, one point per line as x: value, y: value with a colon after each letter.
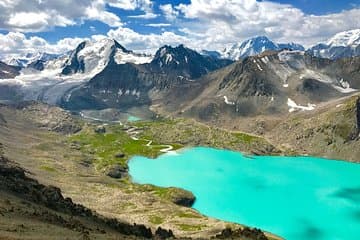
x: 255, y: 46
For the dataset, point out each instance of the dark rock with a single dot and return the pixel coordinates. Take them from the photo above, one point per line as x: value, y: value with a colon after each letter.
x: 117, y: 171
x: 2, y: 119
x: 120, y: 155
x: 163, y: 233
x: 100, y: 129
x: 243, y: 234
x: 182, y: 197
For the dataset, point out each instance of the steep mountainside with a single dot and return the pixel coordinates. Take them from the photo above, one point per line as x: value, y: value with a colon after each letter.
x: 332, y: 131
x: 128, y: 85
x: 7, y: 71
x: 184, y: 62
x: 102, y: 74
x: 342, y: 45
x: 269, y: 84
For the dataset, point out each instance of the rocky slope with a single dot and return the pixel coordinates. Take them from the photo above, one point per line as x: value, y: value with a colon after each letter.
x: 273, y: 84
x: 128, y: 85
x: 333, y: 131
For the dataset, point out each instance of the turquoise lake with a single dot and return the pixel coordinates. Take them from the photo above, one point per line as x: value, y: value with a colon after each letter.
x: 298, y: 198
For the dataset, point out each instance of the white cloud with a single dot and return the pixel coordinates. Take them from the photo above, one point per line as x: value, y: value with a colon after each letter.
x: 148, y: 15
x: 36, y: 15
x: 146, y: 42
x: 15, y: 44
x: 228, y: 21
x: 96, y: 12
x: 158, y: 25
x: 169, y: 12
x: 201, y: 24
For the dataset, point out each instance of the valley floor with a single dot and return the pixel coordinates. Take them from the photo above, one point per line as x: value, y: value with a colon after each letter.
x: 88, y: 160
x: 79, y: 163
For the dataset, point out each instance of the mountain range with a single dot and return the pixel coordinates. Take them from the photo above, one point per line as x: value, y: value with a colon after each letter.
x: 269, y: 78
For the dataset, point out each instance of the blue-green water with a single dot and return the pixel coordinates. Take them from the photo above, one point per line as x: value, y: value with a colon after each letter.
x: 132, y: 118
x: 298, y: 198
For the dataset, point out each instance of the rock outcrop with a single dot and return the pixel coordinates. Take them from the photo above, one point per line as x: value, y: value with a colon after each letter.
x: 244, y: 234
x: 117, y: 171
x: 181, y: 197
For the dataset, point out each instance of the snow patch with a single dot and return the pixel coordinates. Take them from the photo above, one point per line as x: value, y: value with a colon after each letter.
x: 257, y: 64
x: 226, y: 100
x: 168, y: 58
x: 293, y: 106
x: 122, y: 58
x: 265, y: 60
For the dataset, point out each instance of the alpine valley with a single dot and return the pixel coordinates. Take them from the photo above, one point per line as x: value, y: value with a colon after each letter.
x: 73, y: 121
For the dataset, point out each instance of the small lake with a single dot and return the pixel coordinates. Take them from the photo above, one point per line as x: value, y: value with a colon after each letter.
x: 298, y: 198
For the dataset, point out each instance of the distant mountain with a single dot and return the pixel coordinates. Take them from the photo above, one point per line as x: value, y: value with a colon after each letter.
x: 90, y: 57
x: 8, y: 71
x: 185, y: 62
x: 214, y: 54
x: 31, y: 58
x: 343, y: 44
x: 130, y: 84
x: 255, y: 46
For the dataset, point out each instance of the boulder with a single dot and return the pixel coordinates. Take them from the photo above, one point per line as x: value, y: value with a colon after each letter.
x: 117, y: 171
x: 120, y: 155
x: 100, y: 129
x: 181, y: 197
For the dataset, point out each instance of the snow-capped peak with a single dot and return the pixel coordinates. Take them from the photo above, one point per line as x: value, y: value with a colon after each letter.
x: 25, y: 60
x: 347, y: 38
x: 255, y: 46
x: 94, y: 56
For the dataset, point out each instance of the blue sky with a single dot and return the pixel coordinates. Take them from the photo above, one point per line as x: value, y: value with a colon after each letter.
x: 316, y: 7
x: 144, y: 25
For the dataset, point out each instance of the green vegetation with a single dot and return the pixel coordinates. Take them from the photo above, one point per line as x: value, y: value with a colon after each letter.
x: 157, y: 220
x: 178, y: 133
x: 186, y: 132
x: 187, y: 227
x: 105, y: 146
x: 187, y: 215
x: 47, y: 168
